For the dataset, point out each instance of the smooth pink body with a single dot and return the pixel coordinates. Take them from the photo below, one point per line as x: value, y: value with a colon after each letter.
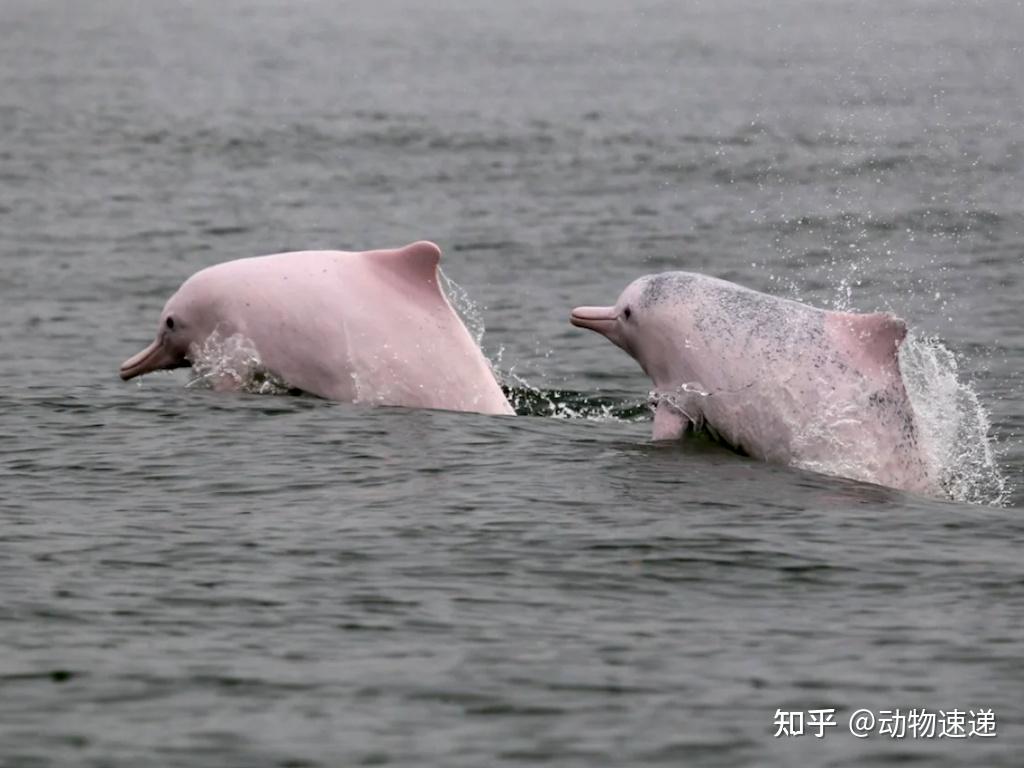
x: 370, y: 327
x: 779, y: 380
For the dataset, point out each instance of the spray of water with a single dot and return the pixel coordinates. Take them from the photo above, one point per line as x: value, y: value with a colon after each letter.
x: 467, y: 309
x: 952, y: 423
x: 232, y: 362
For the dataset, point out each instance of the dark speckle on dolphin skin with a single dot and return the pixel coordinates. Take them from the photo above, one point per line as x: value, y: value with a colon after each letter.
x: 742, y: 315
x: 674, y: 285
x: 727, y: 312
x: 891, y: 404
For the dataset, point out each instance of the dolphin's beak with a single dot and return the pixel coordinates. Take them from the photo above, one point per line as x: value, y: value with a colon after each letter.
x: 600, y: 319
x: 155, y: 357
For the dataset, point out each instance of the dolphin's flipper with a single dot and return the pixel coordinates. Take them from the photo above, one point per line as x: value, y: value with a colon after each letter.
x: 669, y: 422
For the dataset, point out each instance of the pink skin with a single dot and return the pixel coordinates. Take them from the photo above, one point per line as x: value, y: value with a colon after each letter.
x: 370, y: 327
x: 780, y: 380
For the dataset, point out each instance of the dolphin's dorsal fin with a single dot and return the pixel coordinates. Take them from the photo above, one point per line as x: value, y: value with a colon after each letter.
x: 876, y: 336
x: 417, y: 261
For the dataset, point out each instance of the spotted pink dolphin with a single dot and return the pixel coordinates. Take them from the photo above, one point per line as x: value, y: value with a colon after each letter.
x: 776, y: 379
x: 371, y: 327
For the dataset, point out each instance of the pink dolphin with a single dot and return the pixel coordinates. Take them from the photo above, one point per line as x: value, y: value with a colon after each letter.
x: 776, y: 379
x: 370, y: 327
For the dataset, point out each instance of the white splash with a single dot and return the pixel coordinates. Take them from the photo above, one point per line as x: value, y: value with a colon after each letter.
x: 953, y: 426
x: 464, y: 307
x: 527, y: 398
x: 232, y: 362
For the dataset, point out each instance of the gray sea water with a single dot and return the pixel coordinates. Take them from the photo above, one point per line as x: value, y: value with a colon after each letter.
x: 193, y: 578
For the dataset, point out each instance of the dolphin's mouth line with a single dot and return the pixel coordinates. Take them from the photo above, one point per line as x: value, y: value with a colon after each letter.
x: 153, y: 358
x: 593, y: 325
x: 141, y: 362
x: 600, y: 319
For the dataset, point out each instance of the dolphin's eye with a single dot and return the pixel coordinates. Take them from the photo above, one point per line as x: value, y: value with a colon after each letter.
x: 627, y: 313
x: 170, y: 323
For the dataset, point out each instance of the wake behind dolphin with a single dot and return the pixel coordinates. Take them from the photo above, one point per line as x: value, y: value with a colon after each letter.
x: 777, y: 379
